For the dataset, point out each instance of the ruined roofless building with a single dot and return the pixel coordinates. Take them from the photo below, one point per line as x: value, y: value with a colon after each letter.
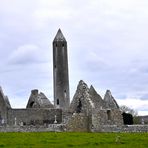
x: 88, y: 111
x: 60, y: 72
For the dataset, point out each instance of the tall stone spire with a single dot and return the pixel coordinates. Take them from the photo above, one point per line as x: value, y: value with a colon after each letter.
x: 60, y: 72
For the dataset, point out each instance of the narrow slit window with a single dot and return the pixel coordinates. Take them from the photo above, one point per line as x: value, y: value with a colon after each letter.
x: 108, y: 114
x: 65, y: 93
x: 58, y: 102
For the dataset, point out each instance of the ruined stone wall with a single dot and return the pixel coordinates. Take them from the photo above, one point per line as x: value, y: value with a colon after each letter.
x: 4, y: 105
x: 34, y: 116
x: 3, y: 112
x: 61, y: 128
x: 106, y: 117
x: 81, y: 101
x: 99, y: 103
x: 79, y: 123
x: 123, y: 128
x: 49, y: 128
x: 116, y: 116
x: 66, y: 116
x: 38, y: 100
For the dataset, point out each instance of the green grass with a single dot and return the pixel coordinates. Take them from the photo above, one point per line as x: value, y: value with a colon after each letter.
x: 82, y: 140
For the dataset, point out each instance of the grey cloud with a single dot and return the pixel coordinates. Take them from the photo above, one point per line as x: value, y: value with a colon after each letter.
x: 27, y: 54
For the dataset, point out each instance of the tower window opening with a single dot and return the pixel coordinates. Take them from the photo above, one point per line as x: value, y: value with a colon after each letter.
x: 62, y: 45
x: 58, y: 102
x: 108, y: 114
x: 31, y: 104
x: 55, y: 66
x: 56, y: 45
x: 65, y: 93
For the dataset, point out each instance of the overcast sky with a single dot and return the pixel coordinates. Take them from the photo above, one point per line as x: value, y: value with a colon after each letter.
x: 107, y: 47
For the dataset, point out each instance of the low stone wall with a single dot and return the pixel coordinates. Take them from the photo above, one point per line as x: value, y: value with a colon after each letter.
x: 49, y: 128
x: 63, y: 128
x: 135, y: 128
x: 124, y: 128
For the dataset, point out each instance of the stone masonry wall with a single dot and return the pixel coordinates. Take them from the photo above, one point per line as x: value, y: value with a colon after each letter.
x: 82, y: 95
x: 34, y: 116
x: 106, y: 117
x: 62, y: 127
x: 78, y: 123
x: 66, y: 116
x: 123, y: 128
x: 49, y: 128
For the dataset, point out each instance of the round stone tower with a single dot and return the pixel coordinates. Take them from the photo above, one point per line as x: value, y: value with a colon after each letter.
x: 60, y: 72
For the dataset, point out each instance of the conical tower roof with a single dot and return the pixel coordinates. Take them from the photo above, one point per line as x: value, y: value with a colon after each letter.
x: 59, y: 36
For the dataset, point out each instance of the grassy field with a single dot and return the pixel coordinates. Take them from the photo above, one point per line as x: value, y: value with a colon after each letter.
x: 82, y: 140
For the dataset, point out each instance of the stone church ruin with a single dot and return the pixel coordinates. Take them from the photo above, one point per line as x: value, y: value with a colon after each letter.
x: 88, y: 111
